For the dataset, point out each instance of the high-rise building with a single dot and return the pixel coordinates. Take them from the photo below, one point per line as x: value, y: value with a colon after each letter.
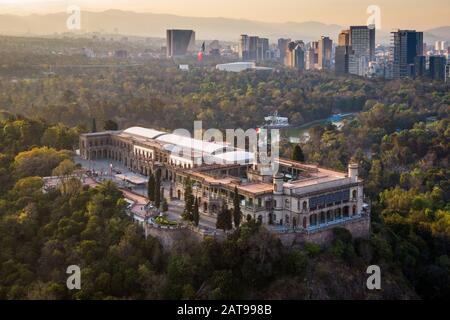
x: 342, y: 59
x: 244, y: 47
x: 283, y: 47
x: 324, y: 54
x: 437, y: 68
x: 344, y: 38
x: 179, y: 42
x: 262, y: 49
x: 362, y: 40
x: 312, y: 55
x: 420, y: 66
x: 447, y: 71
x: 295, y: 55
x: 253, y: 48
x: 439, y: 47
x: 407, y: 45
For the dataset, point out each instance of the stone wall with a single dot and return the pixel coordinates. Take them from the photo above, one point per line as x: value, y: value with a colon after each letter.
x: 169, y: 237
x: 359, y: 228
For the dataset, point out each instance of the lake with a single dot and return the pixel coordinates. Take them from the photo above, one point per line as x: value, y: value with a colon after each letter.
x: 301, y: 134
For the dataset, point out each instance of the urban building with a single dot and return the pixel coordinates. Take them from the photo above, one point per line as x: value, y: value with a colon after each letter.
x: 244, y: 48
x: 420, y: 66
x: 362, y: 41
x: 342, y: 59
x: 179, y: 42
x: 295, y: 55
x: 407, y: 45
x: 300, y: 199
x: 439, y: 47
x: 240, y: 66
x: 447, y: 71
x: 344, y: 38
x: 312, y: 56
x: 253, y: 48
x: 325, y: 49
x: 121, y: 54
x: 437, y: 68
x: 283, y: 47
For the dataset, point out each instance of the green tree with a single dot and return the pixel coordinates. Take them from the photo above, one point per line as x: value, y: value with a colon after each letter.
x: 188, y: 200
x: 151, y: 187
x: 158, y: 188
x: 237, y: 213
x: 195, y: 213
x: 164, y: 205
x: 297, y: 154
x: 224, y: 219
x: 94, y: 125
x: 110, y: 125
x: 38, y: 161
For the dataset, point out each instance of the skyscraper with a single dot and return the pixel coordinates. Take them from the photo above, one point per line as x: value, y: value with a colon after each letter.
x: 244, y: 47
x: 312, y: 55
x: 179, y: 42
x: 407, y: 45
x: 325, y: 50
x: 362, y: 40
x: 282, y: 48
x: 420, y: 66
x: 342, y: 59
x: 295, y: 55
x: 263, y: 49
x: 344, y: 38
x: 437, y: 68
x: 253, y: 48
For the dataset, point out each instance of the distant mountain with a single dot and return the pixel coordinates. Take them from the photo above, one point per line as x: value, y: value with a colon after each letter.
x: 155, y: 25
x: 442, y: 33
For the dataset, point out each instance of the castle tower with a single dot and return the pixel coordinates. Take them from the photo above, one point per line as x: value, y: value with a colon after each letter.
x: 353, y: 171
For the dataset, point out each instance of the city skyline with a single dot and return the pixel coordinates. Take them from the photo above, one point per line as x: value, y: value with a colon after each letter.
x: 402, y: 14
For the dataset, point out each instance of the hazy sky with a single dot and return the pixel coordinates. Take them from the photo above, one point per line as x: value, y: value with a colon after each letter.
x: 420, y: 14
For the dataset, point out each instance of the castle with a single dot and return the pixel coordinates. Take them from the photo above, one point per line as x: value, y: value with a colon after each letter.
x: 300, y: 200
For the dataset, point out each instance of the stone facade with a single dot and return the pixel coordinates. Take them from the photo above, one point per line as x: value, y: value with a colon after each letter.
x: 301, y: 200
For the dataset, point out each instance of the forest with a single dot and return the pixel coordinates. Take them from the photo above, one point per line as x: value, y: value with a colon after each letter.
x: 400, y: 137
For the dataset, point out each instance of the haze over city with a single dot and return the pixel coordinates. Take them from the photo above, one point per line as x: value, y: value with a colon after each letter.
x: 395, y: 14
x: 213, y: 151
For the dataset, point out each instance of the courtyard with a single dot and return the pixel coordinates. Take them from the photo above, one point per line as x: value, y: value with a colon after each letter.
x: 134, y: 187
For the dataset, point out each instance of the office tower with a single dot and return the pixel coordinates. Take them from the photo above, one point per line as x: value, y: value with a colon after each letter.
x: 324, y: 53
x: 262, y: 49
x: 362, y: 40
x: 312, y: 55
x: 244, y: 47
x: 437, y: 68
x: 447, y: 70
x: 253, y: 48
x: 420, y: 66
x: 439, y: 47
x: 344, y: 38
x: 342, y: 59
x: 407, y: 45
x: 283, y: 47
x: 295, y: 55
x: 179, y: 42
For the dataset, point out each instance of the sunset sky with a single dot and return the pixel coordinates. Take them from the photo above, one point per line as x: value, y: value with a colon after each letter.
x: 418, y: 14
